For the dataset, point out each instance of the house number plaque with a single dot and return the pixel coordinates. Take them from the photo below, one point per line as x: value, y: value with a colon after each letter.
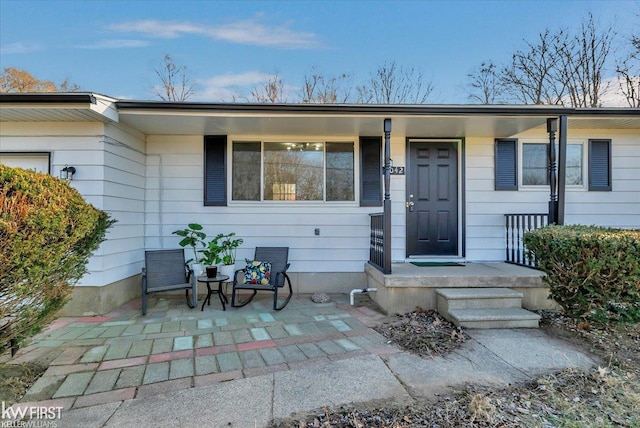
x: 396, y: 170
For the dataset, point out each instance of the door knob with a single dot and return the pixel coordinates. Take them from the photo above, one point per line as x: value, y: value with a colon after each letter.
x: 409, y: 204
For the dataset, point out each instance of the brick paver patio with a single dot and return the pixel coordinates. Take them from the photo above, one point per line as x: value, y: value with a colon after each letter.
x: 124, y: 355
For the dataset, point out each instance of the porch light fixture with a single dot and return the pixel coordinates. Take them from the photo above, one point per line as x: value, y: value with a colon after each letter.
x: 67, y: 172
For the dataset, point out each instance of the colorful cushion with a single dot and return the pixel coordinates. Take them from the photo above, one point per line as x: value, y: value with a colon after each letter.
x: 257, y: 272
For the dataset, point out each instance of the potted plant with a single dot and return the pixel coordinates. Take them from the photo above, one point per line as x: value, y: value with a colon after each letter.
x: 192, y: 236
x: 228, y: 245
x: 211, y: 257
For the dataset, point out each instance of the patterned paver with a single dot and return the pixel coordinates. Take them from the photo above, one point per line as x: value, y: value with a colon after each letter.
x: 124, y: 355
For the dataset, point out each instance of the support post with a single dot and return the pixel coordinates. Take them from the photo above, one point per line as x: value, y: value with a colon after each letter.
x: 562, y: 167
x: 387, y: 197
x: 552, y: 128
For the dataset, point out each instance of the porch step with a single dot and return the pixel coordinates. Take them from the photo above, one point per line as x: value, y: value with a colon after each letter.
x: 484, y: 308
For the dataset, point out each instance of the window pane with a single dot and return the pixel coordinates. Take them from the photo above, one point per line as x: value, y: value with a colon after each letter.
x: 574, y: 164
x: 534, y: 164
x: 293, y: 171
x: 246, y: 171
x: 340, y: 185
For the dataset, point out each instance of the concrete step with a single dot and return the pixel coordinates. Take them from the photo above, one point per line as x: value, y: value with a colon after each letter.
x: 470, y: 298
x: 493, y: 318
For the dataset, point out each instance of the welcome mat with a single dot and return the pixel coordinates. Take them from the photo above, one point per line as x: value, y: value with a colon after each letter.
x: 431, y: 264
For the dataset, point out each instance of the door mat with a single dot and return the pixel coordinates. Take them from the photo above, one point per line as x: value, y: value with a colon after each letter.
x: 431, y: 264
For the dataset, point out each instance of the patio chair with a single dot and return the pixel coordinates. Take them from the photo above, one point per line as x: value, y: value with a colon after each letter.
x: 165, y: 270
x: 271, y: 264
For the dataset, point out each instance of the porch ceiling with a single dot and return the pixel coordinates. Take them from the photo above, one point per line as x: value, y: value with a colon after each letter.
x: 323, y: 125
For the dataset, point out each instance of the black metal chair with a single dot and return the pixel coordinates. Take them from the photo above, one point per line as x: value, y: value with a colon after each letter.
x: 165, y: 270
x: 279, y: 259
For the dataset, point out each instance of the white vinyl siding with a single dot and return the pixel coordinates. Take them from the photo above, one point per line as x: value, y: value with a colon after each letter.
x: 485, y: 208
x: 110, y: 175
x: 174, y: 199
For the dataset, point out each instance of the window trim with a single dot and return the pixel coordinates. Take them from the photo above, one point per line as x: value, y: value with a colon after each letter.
x: 293, y: 139
x: 585, y: 166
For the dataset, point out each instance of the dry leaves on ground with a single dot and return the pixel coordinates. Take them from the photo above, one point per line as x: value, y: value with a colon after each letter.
x: 605, y: 396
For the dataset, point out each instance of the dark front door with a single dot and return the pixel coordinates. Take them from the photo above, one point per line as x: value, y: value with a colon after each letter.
x: 432, y: 199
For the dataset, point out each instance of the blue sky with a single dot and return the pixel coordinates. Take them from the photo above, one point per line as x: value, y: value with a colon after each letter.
x: 112, y: 47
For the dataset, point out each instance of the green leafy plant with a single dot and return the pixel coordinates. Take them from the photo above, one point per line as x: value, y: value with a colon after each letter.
x: 192, y: 236
x: 223, y: 247
x: 211, y: 253
x: 48, y: 232
x: 592, y: 272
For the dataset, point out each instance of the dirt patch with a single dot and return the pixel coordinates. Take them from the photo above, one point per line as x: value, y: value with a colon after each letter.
x: 15, y: 380
x: 422, y: 332
x: 601, y: 397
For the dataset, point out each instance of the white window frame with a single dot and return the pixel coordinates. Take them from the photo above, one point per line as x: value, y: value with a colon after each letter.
x: 290, y: 139
x: 584, y: 157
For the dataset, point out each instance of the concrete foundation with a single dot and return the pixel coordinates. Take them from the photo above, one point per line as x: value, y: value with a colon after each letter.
x: 410, y: 286
x: 87, y: 301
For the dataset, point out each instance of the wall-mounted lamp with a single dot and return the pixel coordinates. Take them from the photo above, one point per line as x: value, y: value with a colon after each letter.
x: 67, y: 172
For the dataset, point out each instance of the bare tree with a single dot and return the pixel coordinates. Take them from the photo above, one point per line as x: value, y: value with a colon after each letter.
x: 175, y: 84
x: 534, y: 75
x: 484, y: 85
x: 393, y: 84
x: 583, y: 60
x: 326, y: 90
x: 271, y: 91
x: 628, y: 70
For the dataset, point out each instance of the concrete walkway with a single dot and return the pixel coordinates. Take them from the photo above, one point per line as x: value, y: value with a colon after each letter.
x: 244, y: 367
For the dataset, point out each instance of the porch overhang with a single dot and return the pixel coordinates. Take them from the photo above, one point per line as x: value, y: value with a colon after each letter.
x: 428, y: 121
x: 191, y: 118
x: 57, y: 107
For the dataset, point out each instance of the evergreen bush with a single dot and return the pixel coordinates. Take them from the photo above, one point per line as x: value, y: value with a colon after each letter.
x: 592, y: 272
x: 47, y: 234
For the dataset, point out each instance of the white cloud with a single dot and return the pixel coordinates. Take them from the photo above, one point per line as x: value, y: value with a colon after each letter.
x: 157, y: 29
x: 248, y: 32
x: 613, y: 96
x: 229, y: 87
x: 116, y: 44
x: 19, y: 48
x: 251, y: 32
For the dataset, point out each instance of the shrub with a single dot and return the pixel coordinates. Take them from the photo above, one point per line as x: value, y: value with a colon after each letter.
x: 47, y: 234
x: 592, y: 272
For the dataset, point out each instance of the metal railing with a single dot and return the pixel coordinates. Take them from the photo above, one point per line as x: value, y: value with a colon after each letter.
x: 376, y: 242
x: 517, y: 225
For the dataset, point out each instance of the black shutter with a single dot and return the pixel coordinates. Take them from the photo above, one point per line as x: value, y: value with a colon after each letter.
x: 506, y: 164
x: 215, y: 171
x: 370, y: 171
x: 600, y: 165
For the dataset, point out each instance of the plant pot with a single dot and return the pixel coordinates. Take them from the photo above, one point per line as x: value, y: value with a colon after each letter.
x: 197, y: 269
x: 228, y: 270
x: 212, y: 271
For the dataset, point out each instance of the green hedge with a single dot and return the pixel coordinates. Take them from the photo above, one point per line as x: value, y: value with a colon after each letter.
x: 47, y: 234
x: 592, y: 272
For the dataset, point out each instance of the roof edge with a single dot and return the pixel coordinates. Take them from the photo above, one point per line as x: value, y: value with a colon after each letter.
x: 48, y: 98
x: 402, y: 109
